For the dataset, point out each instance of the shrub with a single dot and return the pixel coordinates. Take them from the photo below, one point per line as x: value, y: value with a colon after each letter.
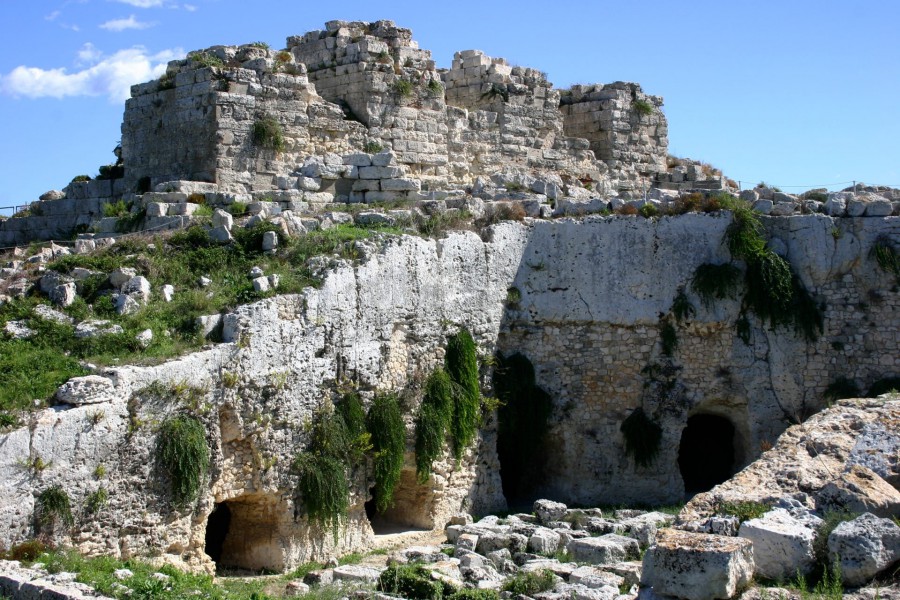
x: 642, y: 437
x: 716, y: 282
x: 433, y: 422
x: 238, y: 208
x: 166, y: 82
x: 97, y: 500
x: 648, y: 210
x: 80, y: 179
x: 497, y: 90
x: 111, y: 172
x: 323, y: 485
x: 668, y: 338
x: 435, y: 88
x: 116, y: 209
x: 182, y: 452
x: 53, y: 507
x: 385, y: 424
x: 207, y: 60
x: 267, y: 133
x: 642, y: 107
x: 262, y: 45
x: 743, y: 510
x: 373, y: 147
x: 412, y: 581
x: 474, y: 594
x: 682, y: 307
x: 403, y: 88
x: 886, y: 257
x: 461, y: 363
x: 531, y: 583
x: 27, y: 551
x: 628, y: 210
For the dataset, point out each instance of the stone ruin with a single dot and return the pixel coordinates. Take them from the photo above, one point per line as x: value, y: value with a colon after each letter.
x: 363, y: 116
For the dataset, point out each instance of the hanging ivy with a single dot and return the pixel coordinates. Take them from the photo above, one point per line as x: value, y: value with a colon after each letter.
x: 461, y: 364
x: 385, y: 424
x: 433, y: 422
x: 642, y: 437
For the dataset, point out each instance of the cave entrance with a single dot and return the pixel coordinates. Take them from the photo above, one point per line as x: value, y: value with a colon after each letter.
x: 412, y: 509
x: 243, y: 534
x: 706, y: 456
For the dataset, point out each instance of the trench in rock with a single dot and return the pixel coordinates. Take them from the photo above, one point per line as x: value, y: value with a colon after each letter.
x: 706, y: 456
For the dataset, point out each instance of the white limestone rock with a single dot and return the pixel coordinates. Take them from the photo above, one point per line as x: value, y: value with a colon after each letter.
x: 269, y: 241
x: 221, y: 234
x: 782, y: 545
x: 208, y: 325
x: 94, y: 328
x: 860, y: 490
x: 168, y: 292
x: 48, y: 314
x: 606, y: 549
x: 864, y: 546
x: 879, y: 208
x: 63, y: 295
x: 18, y: 330
x: 549, y: 510
x: 221, y: 218
x: 90, y: 389
x: 356, y: 573
x: 643, y: 527
x: 544, y: 541
x: 696, y: 566
x: 261, y: 284
x: 121, y: 276
x: 144, y: 338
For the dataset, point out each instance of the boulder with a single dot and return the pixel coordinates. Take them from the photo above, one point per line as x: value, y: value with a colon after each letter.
x: 860, y: 490
x: 48, y: 314
x: 643, y: 527
x: 221, y: 218
x: 90, y: 389
x: 548, y: 510
x: 864, y: 546
x: 879, y: 208
x: 269, y: 241
x: 63, y: 295
x: 544, y: 541
x: 18, y: 330
x: 782, y: 545
x: 697, y: 566
x: 94, y: 328
x: 603, y: 550
x: 121, y: 276
x: 220, y: 234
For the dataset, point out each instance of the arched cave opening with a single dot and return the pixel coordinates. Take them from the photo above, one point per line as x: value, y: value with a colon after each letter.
x: 411, y: 509
x: 244, y: 534
x: 706, y: 456
x: 217, y: 525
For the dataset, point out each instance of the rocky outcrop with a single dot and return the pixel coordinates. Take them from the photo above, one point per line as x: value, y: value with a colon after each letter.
x: 815, y: 456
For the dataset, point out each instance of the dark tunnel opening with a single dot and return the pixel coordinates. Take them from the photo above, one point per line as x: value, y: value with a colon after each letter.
x: 706, y: 454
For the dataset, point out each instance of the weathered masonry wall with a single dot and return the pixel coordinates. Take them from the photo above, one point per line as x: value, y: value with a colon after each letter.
x: 593, y: 294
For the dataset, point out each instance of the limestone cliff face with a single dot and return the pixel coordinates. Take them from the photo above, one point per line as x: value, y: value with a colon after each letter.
x: 587, y: 313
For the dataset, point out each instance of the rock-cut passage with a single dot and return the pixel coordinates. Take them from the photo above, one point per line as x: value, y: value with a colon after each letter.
x: 706, y: 454
x: 217, y: 530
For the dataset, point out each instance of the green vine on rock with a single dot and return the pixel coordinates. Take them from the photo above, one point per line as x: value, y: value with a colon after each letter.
x: 461, y: 363
x: 774, y: 292
x: 642, y: 437
x: 182, y: 452
x: 385, y: 424
x: 433, y: 422
x: 716, y: 282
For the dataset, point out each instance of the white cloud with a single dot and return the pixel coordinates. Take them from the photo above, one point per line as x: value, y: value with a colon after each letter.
x: 88, y: 55
x: 143, y: 3
x: 123, y: 24
x: 52, y: 16
x: 112, y: 76
x: 190, y: 7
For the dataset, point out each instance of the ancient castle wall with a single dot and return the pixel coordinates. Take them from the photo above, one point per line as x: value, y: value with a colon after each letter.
x: 626, y: 129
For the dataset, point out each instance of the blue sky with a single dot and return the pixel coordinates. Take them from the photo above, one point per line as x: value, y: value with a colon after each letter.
x: 796, y: 93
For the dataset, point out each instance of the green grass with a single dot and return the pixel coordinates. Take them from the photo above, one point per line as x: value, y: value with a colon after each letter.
x: 116, y: 209
x: 413, y: 582
x: 54, y: 507
x: 32, y: 369
x: 98, y: 573
x: 530, y: 583
x: 403, y: 88
x: 183, y: 453
x: 642, y: 107
x: 268, y: 133
x: 886, y: 257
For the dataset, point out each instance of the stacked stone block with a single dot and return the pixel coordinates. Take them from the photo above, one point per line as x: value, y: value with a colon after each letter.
x: 625, y: 127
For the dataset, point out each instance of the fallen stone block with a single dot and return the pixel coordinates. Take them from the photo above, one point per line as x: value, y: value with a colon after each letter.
x: 864, y: 546
x: 90, y: 389
x: 860, y: 490
x: 94, y: 328
x: 697, y: 566
x: 548, y: 510
x: 603, y: 550
x: 782, y: 545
